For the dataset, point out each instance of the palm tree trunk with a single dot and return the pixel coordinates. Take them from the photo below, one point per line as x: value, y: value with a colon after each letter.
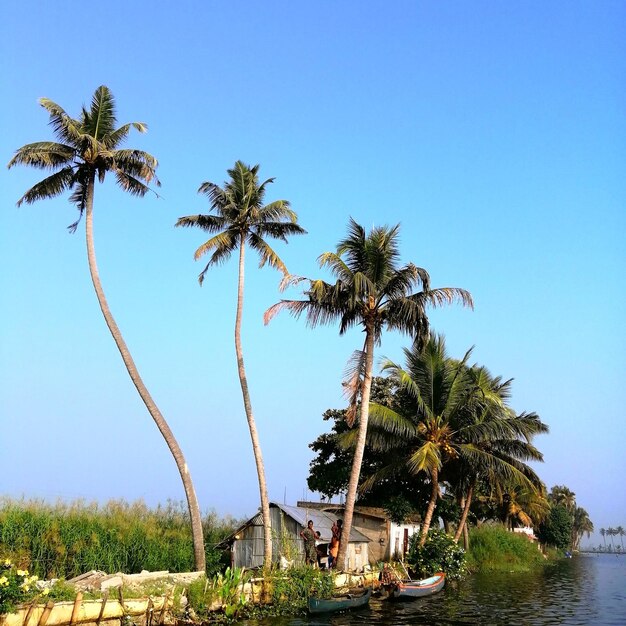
x: 468, y: 501
x: 434, y: 476
x: 256, y: 446
x: 359, y: 449
x: 170, y: 440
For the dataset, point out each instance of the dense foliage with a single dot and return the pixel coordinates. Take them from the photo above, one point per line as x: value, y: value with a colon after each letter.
x: 286, y: 592
x: 556, y: 529
x: 65, y: 540
x: 494, y: 548
x: 438, y: 554
x: 16, y: 586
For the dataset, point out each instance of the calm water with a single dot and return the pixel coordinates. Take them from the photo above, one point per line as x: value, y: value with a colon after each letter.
x: 588, y: 589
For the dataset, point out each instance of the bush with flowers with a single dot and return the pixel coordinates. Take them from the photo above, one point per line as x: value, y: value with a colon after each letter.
x: 16, y: 587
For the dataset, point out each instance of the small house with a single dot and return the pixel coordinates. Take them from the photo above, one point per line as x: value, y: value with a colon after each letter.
x: 246, y: 544
x: 388, y: 539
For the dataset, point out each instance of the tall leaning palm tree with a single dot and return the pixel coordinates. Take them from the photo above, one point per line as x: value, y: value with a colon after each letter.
x: 88, y: 148
x: 373, y: 292
x: 241, y: 218
x: 582, y: 524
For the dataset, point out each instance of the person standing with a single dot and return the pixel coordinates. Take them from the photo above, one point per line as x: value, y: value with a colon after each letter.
x: 310, y: 551
x: 334, y: 543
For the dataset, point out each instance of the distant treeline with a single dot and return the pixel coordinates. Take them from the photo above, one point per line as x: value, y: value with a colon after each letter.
x: 64, y: 540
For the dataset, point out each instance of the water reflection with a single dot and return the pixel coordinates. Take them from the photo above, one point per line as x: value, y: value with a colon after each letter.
x: 586, y: 590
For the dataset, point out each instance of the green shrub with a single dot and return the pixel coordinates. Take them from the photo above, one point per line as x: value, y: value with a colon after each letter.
x: 292, y: 587
x: 16, y: 587
x: 439, y: 554
x: 495, y: 548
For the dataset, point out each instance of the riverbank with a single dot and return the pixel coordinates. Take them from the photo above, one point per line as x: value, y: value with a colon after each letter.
x: 495, y: 549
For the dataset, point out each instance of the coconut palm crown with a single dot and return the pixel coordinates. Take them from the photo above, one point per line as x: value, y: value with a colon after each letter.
x: 240, y: 217
x: 374, y: 292
x: 88, y: 148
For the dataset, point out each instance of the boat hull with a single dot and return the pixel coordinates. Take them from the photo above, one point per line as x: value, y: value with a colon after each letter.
x: 340, y: 603
x: 419, y: 588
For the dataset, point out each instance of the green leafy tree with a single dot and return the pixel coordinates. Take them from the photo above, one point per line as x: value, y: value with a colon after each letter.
x: 88, y: 149
x: 556, y: 529
x: 374, y: 292
x: 242, y: 219
x: 329, y: 472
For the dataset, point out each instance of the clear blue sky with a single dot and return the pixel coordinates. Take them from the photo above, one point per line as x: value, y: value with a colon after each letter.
x: 494, y: 132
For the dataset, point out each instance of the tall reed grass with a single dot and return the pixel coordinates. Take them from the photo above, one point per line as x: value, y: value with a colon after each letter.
x: 494, y: 548
x: 64, y: 540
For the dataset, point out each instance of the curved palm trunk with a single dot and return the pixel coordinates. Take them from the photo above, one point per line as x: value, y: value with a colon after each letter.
x: 254, y: 436
x: 192, y: 501
x: 466, y: 508
x: 434, y: 476
x: 357, y: 461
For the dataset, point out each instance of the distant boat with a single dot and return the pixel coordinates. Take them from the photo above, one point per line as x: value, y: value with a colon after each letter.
x: 343, y: 602
x: 408, y: 589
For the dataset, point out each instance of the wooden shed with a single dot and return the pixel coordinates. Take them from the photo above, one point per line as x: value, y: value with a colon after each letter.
x: 247, y: 547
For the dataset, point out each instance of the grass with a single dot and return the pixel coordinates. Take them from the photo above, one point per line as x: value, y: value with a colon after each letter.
x: 64, y: 540
x: 493, y: 548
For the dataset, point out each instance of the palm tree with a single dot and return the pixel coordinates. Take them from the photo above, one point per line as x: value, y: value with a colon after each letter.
x: 581, y: 524
x: 372, y: 291
x: 88, y: 148
x: 611, y: 533
x: 560, y: 494
x: 520, y: 505
x: 458, y: 421
x: 496, y: 440
x: 603, y: 533
x: 241, y: 218
x: 620, y: 531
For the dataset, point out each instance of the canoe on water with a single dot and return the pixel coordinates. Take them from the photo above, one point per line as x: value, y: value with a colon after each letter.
x: 343, y: 602
x: 419, y: 588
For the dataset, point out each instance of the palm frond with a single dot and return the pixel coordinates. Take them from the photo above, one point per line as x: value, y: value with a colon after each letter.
x: 290, y: 280
x: 49, y: 187
x: 277, y: 211
x: 336, y: 265
x: 426, y: 458
x: 65, y: 128
x: 43, y: 155
x: 278, y: 230
x: 353, y: 379
x: 131, y: 184
x: 137, y: 163
x: 444, y: 295
x: 387, y: 420
x: 209, y: 223
x: 266, y: 253
x: 221, y: 245
x: 116, y: 137
x: 101, y: 119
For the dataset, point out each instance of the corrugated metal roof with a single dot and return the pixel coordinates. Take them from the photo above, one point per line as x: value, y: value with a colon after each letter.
x: 322, y: 521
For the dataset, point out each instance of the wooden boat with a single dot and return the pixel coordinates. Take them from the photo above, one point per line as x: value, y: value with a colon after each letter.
x: 358, y: 598
x: 408, y: 589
